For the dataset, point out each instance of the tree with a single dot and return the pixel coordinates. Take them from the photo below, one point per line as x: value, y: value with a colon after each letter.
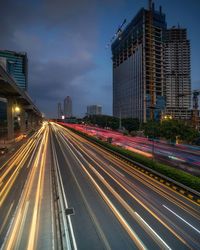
x: 130, y: 124
x: 103, y: 121
x: 170, y: 130
x: 152, y: 129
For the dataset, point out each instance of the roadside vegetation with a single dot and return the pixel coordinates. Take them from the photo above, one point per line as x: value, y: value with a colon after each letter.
x: 175, y: 174
x: 169, y: 129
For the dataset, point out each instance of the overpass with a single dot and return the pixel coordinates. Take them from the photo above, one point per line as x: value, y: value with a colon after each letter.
x: 17, y: 98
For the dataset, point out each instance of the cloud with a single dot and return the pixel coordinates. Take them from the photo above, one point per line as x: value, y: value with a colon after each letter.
x: 60, y: 38
x: 52, y: 81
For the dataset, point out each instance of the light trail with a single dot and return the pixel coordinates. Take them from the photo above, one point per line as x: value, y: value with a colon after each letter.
x: 40, y: 183
x: 164, y: 245
x: 13, y: 159
x: 16, y: 229
x: 140, y: 221
x: 158, y: 187
x: 18, y: 163
x: 182, y: 219
x: 118, y: 215
x: 18, y: 156
x: 171, y: 230
x: 6, y: 217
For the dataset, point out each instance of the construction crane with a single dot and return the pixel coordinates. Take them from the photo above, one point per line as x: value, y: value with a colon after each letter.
x: 117, y: 33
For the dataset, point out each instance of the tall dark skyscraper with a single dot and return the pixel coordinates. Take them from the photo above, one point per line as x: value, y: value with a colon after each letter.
x: 16, y: 64
x: 68, y: 107
x: 138, y: 73
x: 177, y: 73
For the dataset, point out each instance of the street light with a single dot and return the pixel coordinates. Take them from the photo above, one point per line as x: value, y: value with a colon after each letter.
x: 17, y: 109
x: 167, y: 117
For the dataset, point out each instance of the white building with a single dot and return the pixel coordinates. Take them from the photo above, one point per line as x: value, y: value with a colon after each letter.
x: 94, y: 110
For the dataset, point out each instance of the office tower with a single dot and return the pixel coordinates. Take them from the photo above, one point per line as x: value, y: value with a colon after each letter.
x: 137, y: 55
x: 68, y: 107
x: 177, y: 73
x: 94, y: 110
x: 60, y: 113
x: 16, y: 64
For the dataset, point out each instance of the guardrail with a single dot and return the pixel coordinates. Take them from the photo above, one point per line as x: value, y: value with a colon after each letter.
x: 66, y: 231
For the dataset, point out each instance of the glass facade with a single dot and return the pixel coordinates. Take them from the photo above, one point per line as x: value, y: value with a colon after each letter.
x: 16, y: 65
x: 138, y: 66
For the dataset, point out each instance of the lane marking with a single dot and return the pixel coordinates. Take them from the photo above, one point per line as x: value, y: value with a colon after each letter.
x: 182, y: 219
x: 153, y: 214
x: 116, y: 171
x: 6, y: 217
x: 21, y: 227
x: 164, y: 243
x: 120, y: 218
x: 63, y: 193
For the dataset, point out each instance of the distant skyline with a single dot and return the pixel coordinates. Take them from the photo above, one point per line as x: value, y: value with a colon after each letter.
x: 66, y: 45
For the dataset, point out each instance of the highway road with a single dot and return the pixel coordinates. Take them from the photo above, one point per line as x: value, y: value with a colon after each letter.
x: 118, y: 207
x: 107, y: 203
x: 26, y: 207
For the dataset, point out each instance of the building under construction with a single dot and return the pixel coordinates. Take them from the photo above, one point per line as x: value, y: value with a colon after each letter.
x: 177, y: 73
x: 138, y: 73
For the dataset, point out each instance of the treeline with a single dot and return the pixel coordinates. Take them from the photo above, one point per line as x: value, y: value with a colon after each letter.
x: 171, y: 130
x: 104, y: 121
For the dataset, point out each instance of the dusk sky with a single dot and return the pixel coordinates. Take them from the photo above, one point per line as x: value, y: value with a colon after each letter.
x: 66, y: 45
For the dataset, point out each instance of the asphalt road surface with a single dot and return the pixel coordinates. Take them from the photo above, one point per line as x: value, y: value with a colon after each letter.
x: 112, y: 204
x: 118, y: 207
x: 26, y: 207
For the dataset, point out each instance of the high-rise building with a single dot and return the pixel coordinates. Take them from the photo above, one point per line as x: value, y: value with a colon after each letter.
x: 68, y: 107
x: 60, y: 113
x: 177, y: 73
x: 16, y: 64
x: 94, y: 110
x: 137, y: 56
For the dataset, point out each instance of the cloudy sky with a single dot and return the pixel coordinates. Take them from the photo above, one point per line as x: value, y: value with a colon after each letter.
x: 66, y: 45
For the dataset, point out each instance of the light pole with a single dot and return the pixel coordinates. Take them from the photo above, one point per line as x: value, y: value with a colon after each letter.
x: 152, y: 108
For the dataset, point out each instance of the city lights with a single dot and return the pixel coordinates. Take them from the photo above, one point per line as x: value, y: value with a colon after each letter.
x: 99, y: 149
x: 17, y: 109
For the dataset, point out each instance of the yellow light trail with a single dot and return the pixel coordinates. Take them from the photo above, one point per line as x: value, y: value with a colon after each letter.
x: 32, y: 235
x: 13, y: 157
x: 17, y: 156
x: 18, y: 163
x: 158, y: 187
x: 140, y: 221
x: 17, y: 225
x: 118, y: 215
x: 86, y: 151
